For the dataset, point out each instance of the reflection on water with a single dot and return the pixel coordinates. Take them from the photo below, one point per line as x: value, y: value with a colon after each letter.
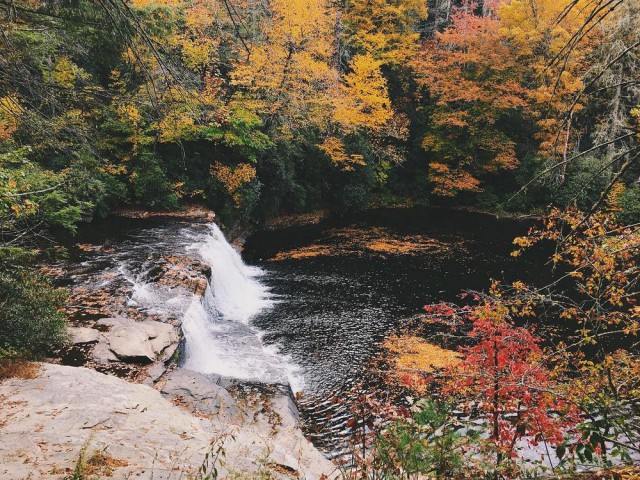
x: 345, y: 286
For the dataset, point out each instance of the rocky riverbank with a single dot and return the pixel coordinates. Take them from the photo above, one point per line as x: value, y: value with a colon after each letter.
x: 111, y: 333
x: 116, y: 402
x: 74, y: 418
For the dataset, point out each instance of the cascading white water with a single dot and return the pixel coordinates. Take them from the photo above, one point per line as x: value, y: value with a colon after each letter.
x: 237, y: 294
x: 219, y: 337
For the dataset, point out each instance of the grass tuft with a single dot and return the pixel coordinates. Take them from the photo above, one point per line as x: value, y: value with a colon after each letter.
x: 18, y: 368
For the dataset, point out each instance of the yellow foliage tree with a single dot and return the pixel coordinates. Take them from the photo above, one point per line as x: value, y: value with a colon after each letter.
x: 384, y: 29
x: 364, y: 100
x: 334, y: 148
x: 233, y: 178
x: 65, y: 73
x: 9, y: 111
x: 539, y: 31
x: 289, y: 74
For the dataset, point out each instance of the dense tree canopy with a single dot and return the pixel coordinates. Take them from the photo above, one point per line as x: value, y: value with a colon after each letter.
x: 258, y: 108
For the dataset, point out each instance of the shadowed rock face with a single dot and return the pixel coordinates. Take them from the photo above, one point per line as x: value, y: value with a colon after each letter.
x: 45, y: 423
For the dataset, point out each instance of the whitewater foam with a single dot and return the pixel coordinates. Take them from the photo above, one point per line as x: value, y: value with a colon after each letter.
x: 219, y: 337
x: 237, y: 294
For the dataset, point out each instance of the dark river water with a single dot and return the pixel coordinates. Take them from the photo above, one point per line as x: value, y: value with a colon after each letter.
x: 345, y: 285
x: 337, y: 290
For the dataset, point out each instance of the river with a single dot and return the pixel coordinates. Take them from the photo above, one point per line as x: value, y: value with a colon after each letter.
x: 345, y: 285
x: 309, y: 305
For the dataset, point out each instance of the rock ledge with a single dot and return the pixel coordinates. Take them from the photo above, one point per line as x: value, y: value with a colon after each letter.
x: 46, y: 422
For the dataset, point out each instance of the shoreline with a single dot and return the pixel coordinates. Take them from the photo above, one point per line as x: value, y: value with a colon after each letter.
x: 121, y: 344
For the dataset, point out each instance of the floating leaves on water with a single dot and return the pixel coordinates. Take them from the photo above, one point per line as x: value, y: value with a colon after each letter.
x: 376, y: 241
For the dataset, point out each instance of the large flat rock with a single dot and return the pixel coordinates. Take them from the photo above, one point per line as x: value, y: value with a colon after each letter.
x: 131, y: 343
x: 46, y: 422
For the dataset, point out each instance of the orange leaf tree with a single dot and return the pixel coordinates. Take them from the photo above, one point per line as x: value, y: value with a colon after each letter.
x: 473, y: 77
x: 496, y: 71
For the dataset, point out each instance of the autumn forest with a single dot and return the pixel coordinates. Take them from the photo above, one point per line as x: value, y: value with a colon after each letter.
x: 259, y: 110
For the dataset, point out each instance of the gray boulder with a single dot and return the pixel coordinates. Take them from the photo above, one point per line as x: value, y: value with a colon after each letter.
x: 160, y: 334
x: 131, y: 343
x: 80, y: 335
x: 101, y: 353
x: 46, y: 422
x: 154, y: 373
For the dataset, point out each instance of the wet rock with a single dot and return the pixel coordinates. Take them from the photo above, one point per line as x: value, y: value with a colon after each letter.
x: 80, y: 335
x: 53, y: 271
x: 194, y: 212
x: 87, y: 305
x: 200, y: 393
x: 182, y: 271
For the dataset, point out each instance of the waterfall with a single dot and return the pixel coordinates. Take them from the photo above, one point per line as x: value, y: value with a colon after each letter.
x: 237, y: 293
x: 219, y: 337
